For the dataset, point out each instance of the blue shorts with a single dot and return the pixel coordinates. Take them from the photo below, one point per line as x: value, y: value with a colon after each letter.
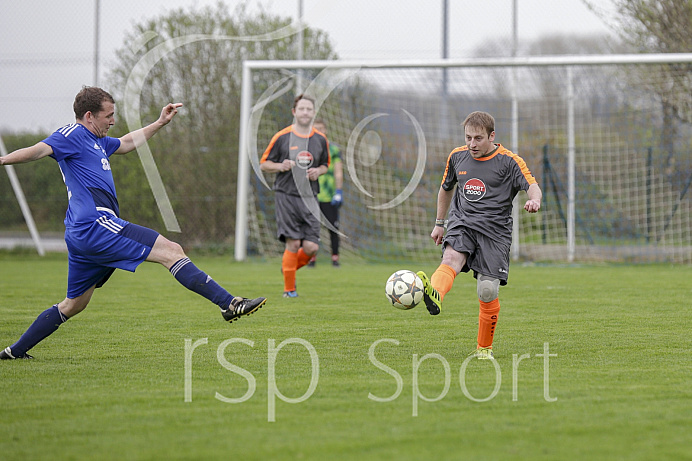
x: 96, y: 251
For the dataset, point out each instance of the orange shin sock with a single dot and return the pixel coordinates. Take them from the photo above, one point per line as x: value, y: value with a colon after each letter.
x: 443, y: 279
x: 289, y: 264
x: 302, y: 258
x: 487, y: 321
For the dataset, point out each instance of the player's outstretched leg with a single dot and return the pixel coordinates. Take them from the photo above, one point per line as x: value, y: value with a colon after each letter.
x: 198, y: 281
x: 432, y: 298
x: 242, y: 306
x: 45, y: 324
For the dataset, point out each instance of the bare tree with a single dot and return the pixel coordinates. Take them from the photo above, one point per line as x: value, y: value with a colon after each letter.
x: 198, y: 159
x: 660, y: 26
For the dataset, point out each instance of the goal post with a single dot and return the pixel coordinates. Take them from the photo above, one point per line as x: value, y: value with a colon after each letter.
x: 21, y: 199
x: 586, y: 125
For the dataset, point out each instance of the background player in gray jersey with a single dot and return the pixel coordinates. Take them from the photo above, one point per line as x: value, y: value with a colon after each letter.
x: 487, y: 177
x: 298, y: 155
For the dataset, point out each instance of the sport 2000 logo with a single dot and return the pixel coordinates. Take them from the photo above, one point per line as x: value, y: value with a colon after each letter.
x: 273, y: 390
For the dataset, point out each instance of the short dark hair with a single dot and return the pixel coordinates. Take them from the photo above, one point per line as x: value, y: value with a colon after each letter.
x: 90, y: 99
x: 481, y: 120
x: 320, y: 121
x: 303, y: 96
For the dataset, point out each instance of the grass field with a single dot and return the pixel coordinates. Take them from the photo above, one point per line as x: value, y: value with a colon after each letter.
x: 112, y: 384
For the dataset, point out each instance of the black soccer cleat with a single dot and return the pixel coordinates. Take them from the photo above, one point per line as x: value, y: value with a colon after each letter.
x: 6, y: 354
x: 242, y: 306
x: 432, y: 298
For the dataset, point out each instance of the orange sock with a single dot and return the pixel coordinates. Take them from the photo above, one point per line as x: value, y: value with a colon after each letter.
x: 487, y: 321
x: 443, y: 279
x: 302, y: 260
x: 289, y: 263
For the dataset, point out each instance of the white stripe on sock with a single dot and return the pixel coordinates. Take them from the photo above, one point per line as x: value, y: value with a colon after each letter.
x: 179, y: 265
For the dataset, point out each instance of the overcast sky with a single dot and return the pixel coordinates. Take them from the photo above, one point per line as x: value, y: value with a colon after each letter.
x: 47, y: 47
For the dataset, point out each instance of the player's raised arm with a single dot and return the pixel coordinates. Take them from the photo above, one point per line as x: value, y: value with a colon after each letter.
x: 133, y: 140
x: 27, y: 154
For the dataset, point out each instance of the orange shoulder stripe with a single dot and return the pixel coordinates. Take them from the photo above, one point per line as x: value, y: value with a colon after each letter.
x: 273, y: 141
x: 329, y: 152
x: 457, y: 149
x: 520, y: 161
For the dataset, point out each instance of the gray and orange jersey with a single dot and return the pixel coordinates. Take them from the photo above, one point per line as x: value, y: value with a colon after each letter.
x: 485, y: 190
x: 308, y: 151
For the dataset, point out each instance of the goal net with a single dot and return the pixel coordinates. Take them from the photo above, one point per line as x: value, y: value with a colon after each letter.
x: 607, y: 137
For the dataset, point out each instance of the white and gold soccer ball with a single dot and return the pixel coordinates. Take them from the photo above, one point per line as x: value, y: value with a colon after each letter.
x: 404, y: 289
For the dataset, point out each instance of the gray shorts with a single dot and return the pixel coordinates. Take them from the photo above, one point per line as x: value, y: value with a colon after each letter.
x: 485, y: 255
x: 297, y: 218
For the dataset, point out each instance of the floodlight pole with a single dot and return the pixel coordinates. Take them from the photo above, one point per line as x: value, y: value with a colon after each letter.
x: 444, y: 123
x: 299, y: 74
x: 515, y: 247
x: 97, y: 33
x: 445, y: 43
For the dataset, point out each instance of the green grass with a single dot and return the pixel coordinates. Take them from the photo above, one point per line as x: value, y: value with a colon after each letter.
x: 110, y: 383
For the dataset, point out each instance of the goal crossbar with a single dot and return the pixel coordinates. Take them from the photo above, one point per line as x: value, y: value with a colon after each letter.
x: 519, y: 61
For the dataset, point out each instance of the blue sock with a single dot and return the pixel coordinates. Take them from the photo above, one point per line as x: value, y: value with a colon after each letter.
x: 44, y: 325
x: 195, y: 280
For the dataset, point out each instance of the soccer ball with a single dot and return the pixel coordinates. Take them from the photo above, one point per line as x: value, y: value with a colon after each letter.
x: 404, y: 289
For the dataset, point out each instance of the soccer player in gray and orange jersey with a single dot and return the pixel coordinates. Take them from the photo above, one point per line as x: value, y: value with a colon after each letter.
x: 479, y: 226
x: 298, y: 155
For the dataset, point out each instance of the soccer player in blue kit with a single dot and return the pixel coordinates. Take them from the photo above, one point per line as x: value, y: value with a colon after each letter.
x: 98, y: 240
x: 479, y: 184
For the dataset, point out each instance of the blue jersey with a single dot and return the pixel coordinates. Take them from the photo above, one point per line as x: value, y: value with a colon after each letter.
x: 83, y: 160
